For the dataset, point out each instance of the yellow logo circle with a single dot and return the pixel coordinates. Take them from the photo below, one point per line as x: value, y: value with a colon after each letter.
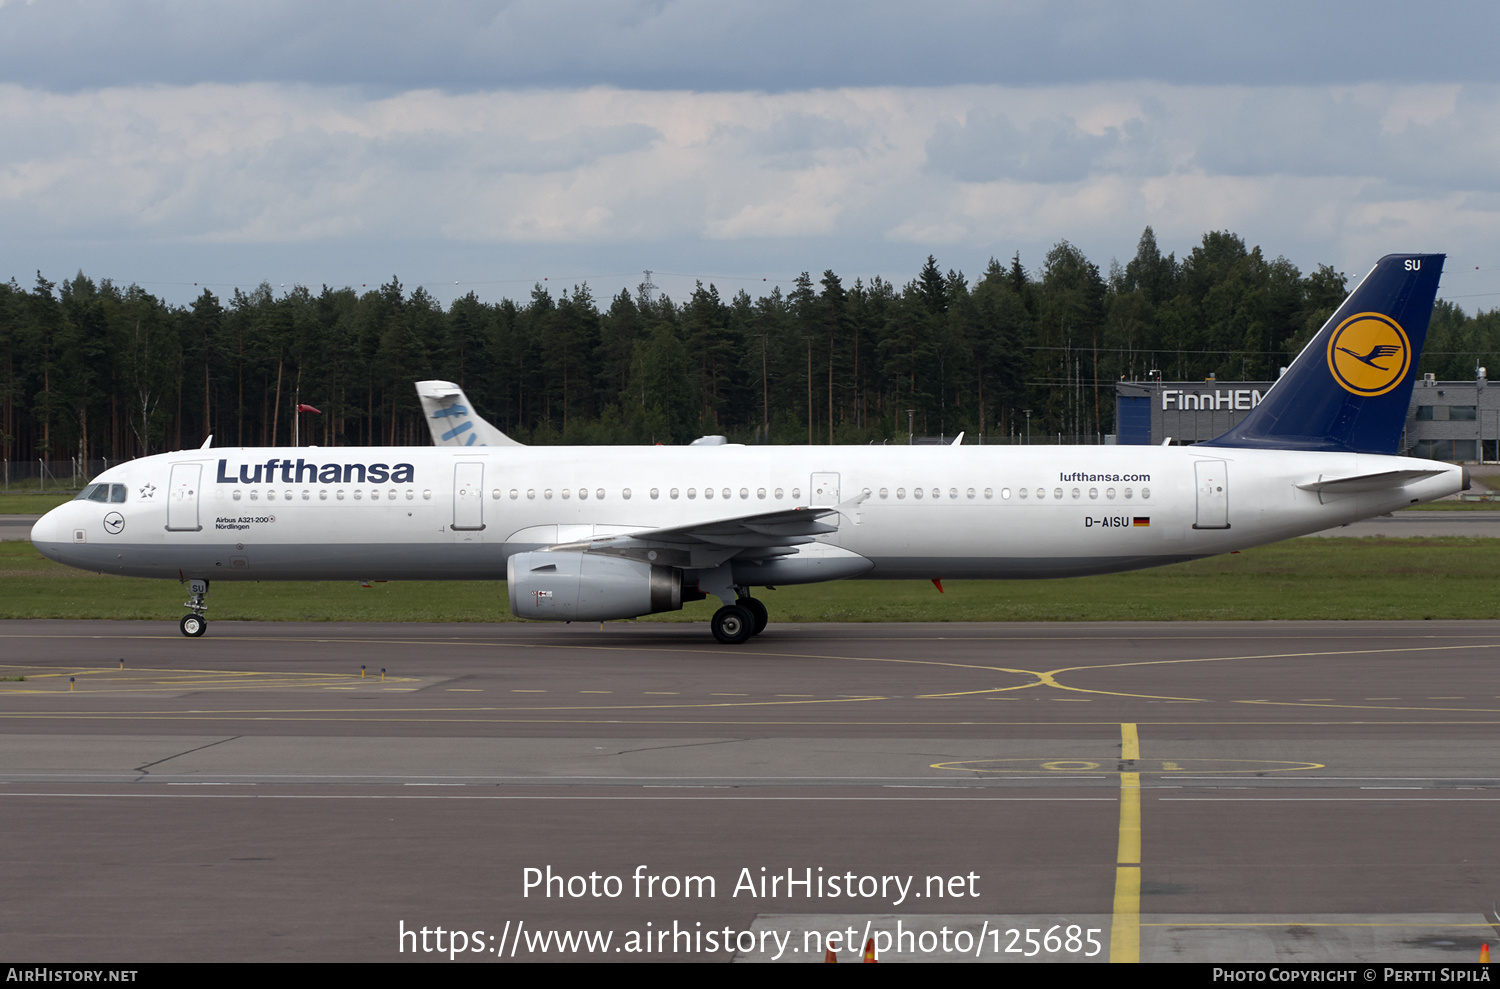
x: 1369, y: 354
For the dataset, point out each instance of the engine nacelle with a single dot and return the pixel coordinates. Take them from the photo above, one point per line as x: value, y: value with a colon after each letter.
x: 568, y: 587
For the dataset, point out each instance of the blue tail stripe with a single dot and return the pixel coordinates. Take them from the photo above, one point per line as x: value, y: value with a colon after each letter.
x: 1350, y: 389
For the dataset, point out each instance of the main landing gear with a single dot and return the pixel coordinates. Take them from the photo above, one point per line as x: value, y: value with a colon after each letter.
x: 194, y: 625
x: 736, y: 623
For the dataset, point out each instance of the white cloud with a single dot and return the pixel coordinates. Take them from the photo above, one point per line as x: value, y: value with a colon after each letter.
x: 844, y: 178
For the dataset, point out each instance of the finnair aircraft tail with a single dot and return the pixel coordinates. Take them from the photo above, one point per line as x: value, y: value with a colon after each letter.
x: 452, y: 419
x: 601, y: 533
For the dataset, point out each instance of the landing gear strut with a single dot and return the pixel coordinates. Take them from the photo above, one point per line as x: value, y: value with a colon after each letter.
x: 742, y: 616
x: 194, y: 625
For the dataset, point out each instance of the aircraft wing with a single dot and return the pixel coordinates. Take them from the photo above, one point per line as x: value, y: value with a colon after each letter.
x: 698, y: 545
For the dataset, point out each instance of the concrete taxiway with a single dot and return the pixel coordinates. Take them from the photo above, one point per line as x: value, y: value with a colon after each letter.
x: 1193, y: 791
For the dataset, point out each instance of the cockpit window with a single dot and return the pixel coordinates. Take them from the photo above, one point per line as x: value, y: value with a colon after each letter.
x: 102, y: 493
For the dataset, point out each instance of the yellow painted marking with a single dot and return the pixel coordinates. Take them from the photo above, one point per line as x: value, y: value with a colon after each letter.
x: 112, y: 680
x: 1125, y: 928
x: 1367, y: 707
x: 1218, y: 767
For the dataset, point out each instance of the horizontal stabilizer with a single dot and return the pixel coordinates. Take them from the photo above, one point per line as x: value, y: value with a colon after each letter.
x: 1383, y: 481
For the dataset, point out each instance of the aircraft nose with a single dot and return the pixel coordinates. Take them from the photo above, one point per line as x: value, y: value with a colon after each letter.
x: 50, y: 533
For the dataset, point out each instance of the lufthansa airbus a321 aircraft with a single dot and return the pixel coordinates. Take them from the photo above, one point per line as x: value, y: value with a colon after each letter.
x: 603, y: 533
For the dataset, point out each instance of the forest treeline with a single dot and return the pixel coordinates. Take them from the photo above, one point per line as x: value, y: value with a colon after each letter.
x: 92, y: 370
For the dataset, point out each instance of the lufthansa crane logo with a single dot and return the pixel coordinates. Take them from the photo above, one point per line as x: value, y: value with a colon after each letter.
x: 1369, y: 354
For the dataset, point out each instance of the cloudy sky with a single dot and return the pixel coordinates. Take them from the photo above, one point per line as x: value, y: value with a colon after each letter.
x: 488, y: 146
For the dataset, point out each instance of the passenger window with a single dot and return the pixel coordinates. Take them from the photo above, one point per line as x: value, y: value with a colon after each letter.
x: 885, y: 493
x: 916, y: 492
x: 900, y: 493
x: 600, y: 494
x: 778, y: 494
x: 566, y: 494
x: 760, y: 493
x: 796, y: 493
x: 693, y: 493
x: 1145, y: 492
x: 672, y: 494
x: 990, y: 492
x: 1057, y: 493
x: 707, y: 493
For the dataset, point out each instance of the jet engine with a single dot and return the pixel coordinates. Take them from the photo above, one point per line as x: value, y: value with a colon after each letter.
x: 567, y: 587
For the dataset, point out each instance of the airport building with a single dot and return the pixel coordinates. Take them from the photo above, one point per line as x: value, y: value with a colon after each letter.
x: 1456, y: 421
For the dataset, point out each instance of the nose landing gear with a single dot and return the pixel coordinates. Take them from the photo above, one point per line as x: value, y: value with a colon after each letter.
x: 194, y: 625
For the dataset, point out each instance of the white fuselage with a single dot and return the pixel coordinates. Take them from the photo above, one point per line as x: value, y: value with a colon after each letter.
x: 944, y: 512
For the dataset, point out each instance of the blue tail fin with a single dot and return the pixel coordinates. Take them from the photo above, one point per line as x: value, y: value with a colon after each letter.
x: 1349, y: 390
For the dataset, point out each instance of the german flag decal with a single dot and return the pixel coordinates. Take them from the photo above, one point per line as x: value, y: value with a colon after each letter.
x: 1142, y: 520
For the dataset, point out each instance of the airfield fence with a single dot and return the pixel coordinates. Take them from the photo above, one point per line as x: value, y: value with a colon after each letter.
x: 49, y: 475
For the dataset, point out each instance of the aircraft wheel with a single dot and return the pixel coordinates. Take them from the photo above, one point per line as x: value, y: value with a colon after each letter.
x: 193, y: 626
x: 757, y: 611
x: 733, y: 625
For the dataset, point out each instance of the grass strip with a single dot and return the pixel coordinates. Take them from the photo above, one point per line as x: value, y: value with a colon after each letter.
x: 1369, y: 578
